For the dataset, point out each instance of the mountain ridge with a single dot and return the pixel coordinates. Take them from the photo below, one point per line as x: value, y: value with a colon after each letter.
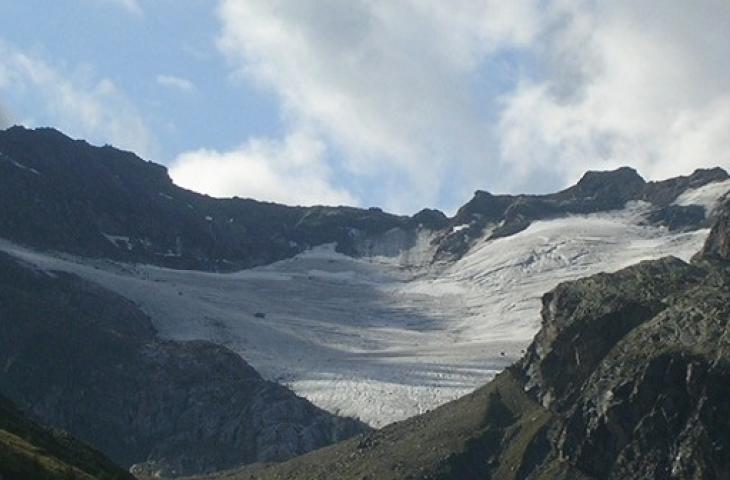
x: 116, y: 205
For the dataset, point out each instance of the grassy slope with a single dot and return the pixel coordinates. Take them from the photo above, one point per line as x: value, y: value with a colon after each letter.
x: 29, y: 451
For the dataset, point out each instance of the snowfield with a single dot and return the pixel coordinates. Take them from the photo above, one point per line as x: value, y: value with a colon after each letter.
x: 706, y: 196
x: 372, y: 338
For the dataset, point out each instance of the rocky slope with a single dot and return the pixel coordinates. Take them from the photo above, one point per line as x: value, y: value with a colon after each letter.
x: 628, y: 378
x: 86, y: 360
x: 67, y: 195
x: 29, y: 451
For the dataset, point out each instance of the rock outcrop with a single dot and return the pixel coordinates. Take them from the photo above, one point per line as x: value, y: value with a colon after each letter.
x: 717, y: 246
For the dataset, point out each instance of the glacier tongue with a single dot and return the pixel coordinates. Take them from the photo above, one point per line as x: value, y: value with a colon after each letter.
x: 371, y: 338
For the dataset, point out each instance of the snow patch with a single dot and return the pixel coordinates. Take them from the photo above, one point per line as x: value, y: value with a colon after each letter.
x: 322, y: 252
x: 19, y: 165
x: 119, y: 241
x: 707, y: 196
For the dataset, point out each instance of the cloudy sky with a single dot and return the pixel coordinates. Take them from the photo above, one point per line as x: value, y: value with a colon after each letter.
x: 395, y: 103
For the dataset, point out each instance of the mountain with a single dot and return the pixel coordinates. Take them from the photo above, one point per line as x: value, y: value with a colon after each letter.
x: 29, y: 451
x: 88, y: 361
x: 153, y: 344
x: 628, y: 378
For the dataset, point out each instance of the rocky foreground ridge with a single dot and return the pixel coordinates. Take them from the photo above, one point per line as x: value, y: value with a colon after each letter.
x: 628, y: 378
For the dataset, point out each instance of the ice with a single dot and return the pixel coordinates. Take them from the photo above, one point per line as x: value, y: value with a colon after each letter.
x: 389, y: 336
x: 118, y: 240
x: 706, y: 196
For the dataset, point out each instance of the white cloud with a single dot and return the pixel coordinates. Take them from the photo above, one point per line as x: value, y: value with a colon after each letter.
x: 177, y: 83
x: 76, y: 102
x: 642, y: 83
x: 386, y: 82
x: 5, y: 120
x: 292, y: 172
x: 405, y: 89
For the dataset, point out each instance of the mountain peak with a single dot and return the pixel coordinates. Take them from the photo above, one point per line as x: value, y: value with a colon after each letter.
x: 431, y: 218
x: 625, y: 178
x: 617, y: 173
x: 703, y: 176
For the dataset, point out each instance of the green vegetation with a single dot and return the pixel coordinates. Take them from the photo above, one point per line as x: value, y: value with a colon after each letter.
x: 29, y: 451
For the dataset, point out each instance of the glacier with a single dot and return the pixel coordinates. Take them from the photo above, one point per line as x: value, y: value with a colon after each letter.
x: 386, y: 337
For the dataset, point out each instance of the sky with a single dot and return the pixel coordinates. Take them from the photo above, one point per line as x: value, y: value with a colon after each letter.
x: 400, y: 104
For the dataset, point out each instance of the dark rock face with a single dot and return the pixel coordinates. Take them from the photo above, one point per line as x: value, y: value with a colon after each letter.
x: 636, y: 364
x: 583, y: 320
x: 628, y: 379
x: 86, y: 360
x: 717, y: 245
x: 599, y: 190
x: 677, y: 217
x: 484, y: 206
x: 431, y: 219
